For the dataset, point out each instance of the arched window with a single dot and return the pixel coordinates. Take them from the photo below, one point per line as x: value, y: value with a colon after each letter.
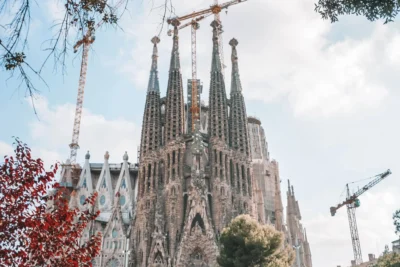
x: 244, y: 182
x: 173, y: 191
x: 158, y: 258
x: 112, y: 263
x: 245, y: 206
x: 226, y: 169
x: 232, y: 173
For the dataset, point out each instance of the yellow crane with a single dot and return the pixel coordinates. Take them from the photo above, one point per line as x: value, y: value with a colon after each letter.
x: 85, y: 42
x: 194, y: 23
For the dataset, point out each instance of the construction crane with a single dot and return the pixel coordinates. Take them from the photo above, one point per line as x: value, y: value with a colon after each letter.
x: 85, y: 42
x: 194, y: 23
x: 352, y: 202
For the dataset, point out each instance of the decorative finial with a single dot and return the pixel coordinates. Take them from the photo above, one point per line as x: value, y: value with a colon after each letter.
x: 125, y: 157
x: 233, y: 42
x: 175, y: 23
x: 215, y: 24
x: 292, y: 190
x: 87, y: 156
x: 155, y: 40
x: 106, y: 156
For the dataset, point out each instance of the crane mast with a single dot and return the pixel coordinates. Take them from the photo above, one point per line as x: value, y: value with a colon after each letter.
x: 195, y: 109
x: 196, y: 17
x: 85, y: 42
x: 79, y: 101
x: 352, y: 203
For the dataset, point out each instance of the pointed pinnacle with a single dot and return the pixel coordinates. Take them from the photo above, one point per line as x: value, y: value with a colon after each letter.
x: 233, y: 42
x: 125, y: 157
x: 155, y: 40
x: 153, y: 85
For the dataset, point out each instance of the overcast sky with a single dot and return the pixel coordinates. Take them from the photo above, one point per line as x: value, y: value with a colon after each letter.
x: 327, y: 96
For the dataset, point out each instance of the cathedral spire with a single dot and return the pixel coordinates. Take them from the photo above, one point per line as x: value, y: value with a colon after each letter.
x: 174, y: 110
x: 175, y: 60
x: 216, y: 59
x: 151, y: 127
x: 218, y: 107
x: 239, y: 139
x: 153, y: 80
x: 236, y: 85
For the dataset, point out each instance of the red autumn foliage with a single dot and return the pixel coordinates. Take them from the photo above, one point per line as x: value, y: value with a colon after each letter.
x: 34, y: 232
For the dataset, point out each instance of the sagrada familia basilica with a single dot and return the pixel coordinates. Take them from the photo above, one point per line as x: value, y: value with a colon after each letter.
x: 170, y: 207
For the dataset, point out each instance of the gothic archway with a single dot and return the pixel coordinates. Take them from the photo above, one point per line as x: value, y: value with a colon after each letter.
x: 198, y: 220
x: 158, y: 260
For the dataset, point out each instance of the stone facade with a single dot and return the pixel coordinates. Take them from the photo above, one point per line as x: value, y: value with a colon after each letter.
x: 116, y: 185
x: 296, y: 234
x: 264, y: 171
x: 170, y: 208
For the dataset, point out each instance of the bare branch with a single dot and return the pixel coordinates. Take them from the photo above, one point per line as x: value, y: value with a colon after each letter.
x: 81, y: 19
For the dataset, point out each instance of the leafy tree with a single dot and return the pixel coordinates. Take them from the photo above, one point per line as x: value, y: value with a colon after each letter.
x: 371, y: 9
x: 246, y: 243
x: 38, y: 228
x: 389, y: 260
x: 396, y: 219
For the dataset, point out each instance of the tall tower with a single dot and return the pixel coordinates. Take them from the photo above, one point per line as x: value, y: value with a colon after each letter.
x: 218, y: 138
x: 296, y: 232
x: 174, y: 110
x: 218, y: 114
x: 151, y: 130
x: 148, y: 172
x: 239, y: 143
x: 238, y: 134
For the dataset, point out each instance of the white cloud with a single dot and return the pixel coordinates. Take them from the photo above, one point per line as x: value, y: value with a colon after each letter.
x: 284, y: 53
x: 52, y: 134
